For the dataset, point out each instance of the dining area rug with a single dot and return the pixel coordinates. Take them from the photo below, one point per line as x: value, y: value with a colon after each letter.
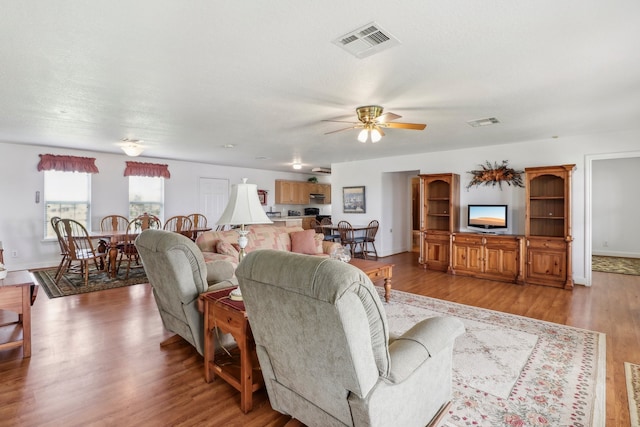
x: 511, y: 370
x: 73, y: 284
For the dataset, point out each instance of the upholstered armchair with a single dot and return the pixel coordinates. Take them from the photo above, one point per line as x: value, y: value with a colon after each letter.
x: 323, y: 344
x: 178, y: 274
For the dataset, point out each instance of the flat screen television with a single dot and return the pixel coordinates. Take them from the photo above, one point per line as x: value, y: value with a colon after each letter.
x: 487, y: 217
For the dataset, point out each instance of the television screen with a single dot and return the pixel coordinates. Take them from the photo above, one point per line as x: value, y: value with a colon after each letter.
x: 487, y: 216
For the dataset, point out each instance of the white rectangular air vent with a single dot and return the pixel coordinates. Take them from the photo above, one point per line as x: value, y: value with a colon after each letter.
x: 483, y: 122
x: 366, y: 40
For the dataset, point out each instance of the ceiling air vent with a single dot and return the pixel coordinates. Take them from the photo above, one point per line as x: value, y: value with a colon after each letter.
x: 483, y: 122
x: 366, y: 40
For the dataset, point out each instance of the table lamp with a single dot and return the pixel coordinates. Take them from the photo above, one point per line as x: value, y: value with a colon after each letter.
x: 244, y: 208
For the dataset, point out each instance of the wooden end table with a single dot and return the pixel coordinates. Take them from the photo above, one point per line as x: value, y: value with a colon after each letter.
x: 376, y: 270
x: 15, y: 295
x: 230, y: 317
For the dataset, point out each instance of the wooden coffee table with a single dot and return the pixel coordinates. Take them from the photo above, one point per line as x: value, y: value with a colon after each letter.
x: 376, y: 270
x: 240, y: 368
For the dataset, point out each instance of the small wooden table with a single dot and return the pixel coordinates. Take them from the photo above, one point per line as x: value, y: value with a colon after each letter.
x: 15, y: 295
x: 230, y: 317
x: 376, y: 270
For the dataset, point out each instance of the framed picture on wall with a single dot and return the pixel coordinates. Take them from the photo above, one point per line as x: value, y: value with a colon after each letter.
x: 262, y: 195
x: 353, y: 200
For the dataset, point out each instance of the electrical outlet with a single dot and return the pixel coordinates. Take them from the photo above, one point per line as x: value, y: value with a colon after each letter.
x: 14, y: 254
x: 605, y: 244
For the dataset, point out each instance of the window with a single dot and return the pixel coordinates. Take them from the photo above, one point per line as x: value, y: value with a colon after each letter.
x: 146, y: 194
x: 67, y: 195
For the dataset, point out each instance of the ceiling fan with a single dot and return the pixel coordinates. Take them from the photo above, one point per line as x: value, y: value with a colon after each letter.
x: 372, y: 121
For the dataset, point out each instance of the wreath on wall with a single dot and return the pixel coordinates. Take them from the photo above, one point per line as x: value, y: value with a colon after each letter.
x: 496, y: 174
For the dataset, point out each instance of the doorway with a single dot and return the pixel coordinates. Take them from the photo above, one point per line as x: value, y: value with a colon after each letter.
x: 213, y: 197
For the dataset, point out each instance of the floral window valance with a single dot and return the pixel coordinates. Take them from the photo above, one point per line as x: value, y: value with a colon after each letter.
x: 51, y: 162
x: 147, y: 169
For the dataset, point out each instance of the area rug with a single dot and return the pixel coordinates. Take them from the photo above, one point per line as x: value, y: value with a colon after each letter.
x: 73, y: 284
x: 632, y: 375
x: 612, y: 264
x: 514, y: 371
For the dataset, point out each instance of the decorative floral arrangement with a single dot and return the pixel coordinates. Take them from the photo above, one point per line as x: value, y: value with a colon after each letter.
x: 496, y: 174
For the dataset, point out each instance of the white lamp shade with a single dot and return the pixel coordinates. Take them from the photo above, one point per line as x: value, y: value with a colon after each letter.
x: 244, y: 206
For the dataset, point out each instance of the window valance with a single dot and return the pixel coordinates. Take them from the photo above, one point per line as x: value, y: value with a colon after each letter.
x: 147, y: 169
x: 52, y: 162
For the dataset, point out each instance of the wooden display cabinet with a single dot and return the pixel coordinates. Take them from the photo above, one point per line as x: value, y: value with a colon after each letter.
x: 496, y: 257
x: 439, y: 218
x: 548, y: 226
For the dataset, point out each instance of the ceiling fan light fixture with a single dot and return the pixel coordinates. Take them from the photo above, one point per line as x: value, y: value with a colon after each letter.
x: 375, y: 135
x: 363, y: 135
x: 132, y: 147
x: 297, y: 166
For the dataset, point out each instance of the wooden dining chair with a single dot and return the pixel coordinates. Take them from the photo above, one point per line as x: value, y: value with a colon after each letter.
x: 315, y: 224
x: 114, y: 223
x: 179, y: 224
x: 64, y: 251
x: 144, y: 222
x: 348, y: 239
x: 327, y: 232
x: 79, y: 247
x: 127, y: 249
x: 198, y: 220
x: 369, y: 246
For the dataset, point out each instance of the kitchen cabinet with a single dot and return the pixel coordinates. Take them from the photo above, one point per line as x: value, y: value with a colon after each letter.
x: 548, y: 226
x: 297, y: 192
x: 486, y: 256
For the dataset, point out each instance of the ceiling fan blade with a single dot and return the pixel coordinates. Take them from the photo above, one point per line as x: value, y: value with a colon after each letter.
x: 387, y: 117
x: 342, y: 121
x: 413, y: 126
x: 343, y: 129
x: 379, y: 130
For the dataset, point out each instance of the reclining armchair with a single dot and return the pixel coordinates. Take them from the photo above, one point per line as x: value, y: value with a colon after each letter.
x: 322, y: 340
x: 178, y: 275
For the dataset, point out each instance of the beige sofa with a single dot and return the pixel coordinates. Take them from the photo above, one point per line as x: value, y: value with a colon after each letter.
x: 219, y: 246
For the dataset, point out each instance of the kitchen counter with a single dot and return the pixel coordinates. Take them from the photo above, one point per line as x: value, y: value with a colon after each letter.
x: 293, y: 221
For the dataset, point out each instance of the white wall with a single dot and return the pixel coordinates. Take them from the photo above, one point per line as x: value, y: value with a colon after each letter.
x: 615, y: 215
x: 546, y: 152
x: 22, y: 221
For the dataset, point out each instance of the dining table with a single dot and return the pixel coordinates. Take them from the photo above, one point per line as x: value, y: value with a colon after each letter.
x: 113, y: 238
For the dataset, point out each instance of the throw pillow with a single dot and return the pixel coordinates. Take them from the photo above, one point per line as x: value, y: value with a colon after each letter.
x: 226, y: 248
x: 304, y: 242
x: 319, y: 237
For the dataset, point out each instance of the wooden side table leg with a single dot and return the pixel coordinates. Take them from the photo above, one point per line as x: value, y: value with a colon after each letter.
x: 26, y: 321
x: 387, y: 289
x: 246, y: 374
x: 209, y: 350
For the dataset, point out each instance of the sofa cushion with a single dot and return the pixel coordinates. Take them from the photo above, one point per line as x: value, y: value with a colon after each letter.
x: 219, y: 270
x: 225, y: 248
x: 304, y: 242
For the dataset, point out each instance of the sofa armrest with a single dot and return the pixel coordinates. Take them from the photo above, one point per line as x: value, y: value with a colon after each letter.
x: 423, y: 340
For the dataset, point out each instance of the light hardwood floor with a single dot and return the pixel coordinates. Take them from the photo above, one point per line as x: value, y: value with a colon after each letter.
x: 96, y: 358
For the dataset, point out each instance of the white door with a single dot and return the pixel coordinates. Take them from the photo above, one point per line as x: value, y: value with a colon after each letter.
x: 214, y: 195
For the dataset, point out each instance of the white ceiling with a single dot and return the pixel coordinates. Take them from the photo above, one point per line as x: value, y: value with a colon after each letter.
x: 188, y: 77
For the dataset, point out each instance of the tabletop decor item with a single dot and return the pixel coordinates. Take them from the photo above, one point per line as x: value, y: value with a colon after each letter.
x: 3, y: 271
x: 496, y: 174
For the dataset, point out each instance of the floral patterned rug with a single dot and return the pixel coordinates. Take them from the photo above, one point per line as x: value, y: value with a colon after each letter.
x: 72, y: 283
x: 612, y: 264
x: 514, y: 371
x: 632, y: 374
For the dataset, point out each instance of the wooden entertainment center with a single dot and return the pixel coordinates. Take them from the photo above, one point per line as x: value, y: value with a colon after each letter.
x: 541, y: 256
